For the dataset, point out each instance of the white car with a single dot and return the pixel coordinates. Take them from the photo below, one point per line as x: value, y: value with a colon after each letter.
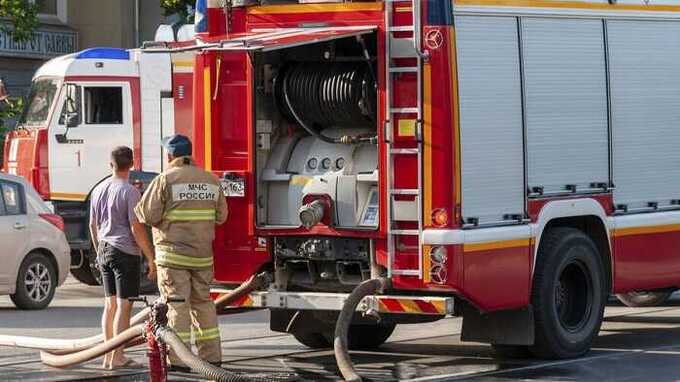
x: 35, y: 256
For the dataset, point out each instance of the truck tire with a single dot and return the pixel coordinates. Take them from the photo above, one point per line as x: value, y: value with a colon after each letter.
x: 87, y: 273
x: 359, y: 337
x: 36, y: 282
x: 313, y: 340
x: 643, y: 299
x: 511, y: 351
x: 369, y: 336
x: 569, y: 294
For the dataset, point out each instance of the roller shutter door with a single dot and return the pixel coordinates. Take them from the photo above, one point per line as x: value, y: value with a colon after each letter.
x: 645, y: 97
x: 492, y: 156
x: 566, y: 103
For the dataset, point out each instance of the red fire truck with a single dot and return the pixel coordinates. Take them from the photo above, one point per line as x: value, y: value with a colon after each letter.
x: 512, y: 162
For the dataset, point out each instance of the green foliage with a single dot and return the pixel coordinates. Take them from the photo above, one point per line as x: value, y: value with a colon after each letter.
x: 23, y: 18
x: 8, y: 109
x: 177, y: 7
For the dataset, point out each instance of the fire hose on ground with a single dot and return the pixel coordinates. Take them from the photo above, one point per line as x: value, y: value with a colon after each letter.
x: 206, y: 369
x: 65, y: 353
x: 61, y: 347
x: 131, y: 336
x: 342, y: 358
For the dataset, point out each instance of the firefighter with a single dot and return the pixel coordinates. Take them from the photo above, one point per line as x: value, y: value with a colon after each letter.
x: 183, y: 205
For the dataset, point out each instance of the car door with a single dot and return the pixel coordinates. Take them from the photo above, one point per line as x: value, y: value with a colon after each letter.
x: 13, y: 230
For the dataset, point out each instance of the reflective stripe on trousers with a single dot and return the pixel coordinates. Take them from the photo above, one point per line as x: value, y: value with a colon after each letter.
x: 187, y: 214
x: 200, y: 335
x: 164, y: 257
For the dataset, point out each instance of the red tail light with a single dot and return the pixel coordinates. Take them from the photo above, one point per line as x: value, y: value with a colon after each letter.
x: 55, y: 220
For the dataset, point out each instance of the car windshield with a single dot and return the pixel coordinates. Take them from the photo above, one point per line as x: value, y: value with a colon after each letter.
x: 39, y: 102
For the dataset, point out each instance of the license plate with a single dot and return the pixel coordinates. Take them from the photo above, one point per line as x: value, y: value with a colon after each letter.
x: 234, y: 186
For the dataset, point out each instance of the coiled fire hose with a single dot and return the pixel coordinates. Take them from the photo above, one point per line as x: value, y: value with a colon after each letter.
x: 62, y: 347
x: 342, y: 358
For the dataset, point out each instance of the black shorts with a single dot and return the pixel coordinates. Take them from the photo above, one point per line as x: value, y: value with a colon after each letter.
x: 120, y: 272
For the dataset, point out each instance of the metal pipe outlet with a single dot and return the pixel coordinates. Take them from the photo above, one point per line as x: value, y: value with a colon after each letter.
x: 312, y: 213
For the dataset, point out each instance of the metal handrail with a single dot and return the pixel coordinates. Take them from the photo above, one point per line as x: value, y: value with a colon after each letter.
x: 417, y: 30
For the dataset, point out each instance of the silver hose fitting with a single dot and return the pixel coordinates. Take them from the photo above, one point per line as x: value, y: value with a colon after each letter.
x: 312, y: 213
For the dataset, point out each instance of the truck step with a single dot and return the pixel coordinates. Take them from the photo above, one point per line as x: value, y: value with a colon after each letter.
x: 406, y: 272
x: 404, y: 110
x: 402, y: 28
x: 405, y: 232
x: 405, y: 191
x: 404, y: 151
x: 404, y: 69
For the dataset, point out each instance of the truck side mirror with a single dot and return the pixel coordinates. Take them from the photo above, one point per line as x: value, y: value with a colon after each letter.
x: 70, y: 114
x: 71, y: 120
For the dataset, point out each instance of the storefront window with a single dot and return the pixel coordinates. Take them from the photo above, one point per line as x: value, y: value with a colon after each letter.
x: 48, y: 7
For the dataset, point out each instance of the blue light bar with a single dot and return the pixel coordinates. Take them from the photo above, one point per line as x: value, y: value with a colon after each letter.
x: 105, y: 53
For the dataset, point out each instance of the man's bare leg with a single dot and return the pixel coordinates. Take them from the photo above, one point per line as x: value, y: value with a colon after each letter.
x: 110, y: 307
x: 121, y: 322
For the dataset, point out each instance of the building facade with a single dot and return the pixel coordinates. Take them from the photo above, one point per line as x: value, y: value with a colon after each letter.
x: 67, y: 26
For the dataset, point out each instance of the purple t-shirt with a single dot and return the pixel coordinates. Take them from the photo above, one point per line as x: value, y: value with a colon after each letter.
x: 112, y: 208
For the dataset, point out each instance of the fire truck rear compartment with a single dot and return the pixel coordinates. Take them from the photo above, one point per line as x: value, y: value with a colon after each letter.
x: 317, y: 159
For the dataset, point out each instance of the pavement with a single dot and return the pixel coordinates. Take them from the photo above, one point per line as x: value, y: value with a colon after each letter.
x: 635, y: 344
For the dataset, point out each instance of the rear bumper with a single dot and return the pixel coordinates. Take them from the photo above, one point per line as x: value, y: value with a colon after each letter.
x: 419, y: 305
x: 63, y: 256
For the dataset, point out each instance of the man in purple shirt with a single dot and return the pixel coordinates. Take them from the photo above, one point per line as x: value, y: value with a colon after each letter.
x: 118, y: 236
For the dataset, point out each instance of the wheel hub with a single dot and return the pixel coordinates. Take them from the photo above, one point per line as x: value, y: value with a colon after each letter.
x: 38, y: 282
x: 574, y: 296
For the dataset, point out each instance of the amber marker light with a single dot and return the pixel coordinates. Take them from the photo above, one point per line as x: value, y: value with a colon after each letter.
x: 440, y: 217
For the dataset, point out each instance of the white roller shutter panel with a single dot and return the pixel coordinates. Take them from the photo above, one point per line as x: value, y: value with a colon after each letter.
x: 566, y: 103
x: 645, y: 96
x: 154, y: 77
x: 492, y: 154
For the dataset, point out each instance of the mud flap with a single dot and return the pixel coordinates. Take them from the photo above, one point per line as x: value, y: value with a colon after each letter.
x: 506, y: 327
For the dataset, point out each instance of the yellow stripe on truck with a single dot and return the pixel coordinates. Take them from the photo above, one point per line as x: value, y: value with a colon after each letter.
x: 492, y: 245
x: 68, y: 196
x: 605, y: 6
x: 207, y: 100
x: 645, y: 230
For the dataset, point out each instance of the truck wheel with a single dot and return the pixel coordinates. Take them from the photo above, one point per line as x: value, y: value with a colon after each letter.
x: 569, y: 294
x: 511, y: 351
x: 642, y: 299
x: 36, y: 283
x: 314, y: 340
x: 359, y: 337
x: 369, y: 336
x: 88, y: 273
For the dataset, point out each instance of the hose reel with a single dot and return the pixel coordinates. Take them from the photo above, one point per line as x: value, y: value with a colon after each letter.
x: 321, y: 95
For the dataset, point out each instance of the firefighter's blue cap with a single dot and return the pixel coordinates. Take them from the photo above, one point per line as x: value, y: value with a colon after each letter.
x: 177, y: 145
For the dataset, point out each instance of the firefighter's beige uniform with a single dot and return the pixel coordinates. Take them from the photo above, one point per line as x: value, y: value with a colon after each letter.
x: 183, y: 205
